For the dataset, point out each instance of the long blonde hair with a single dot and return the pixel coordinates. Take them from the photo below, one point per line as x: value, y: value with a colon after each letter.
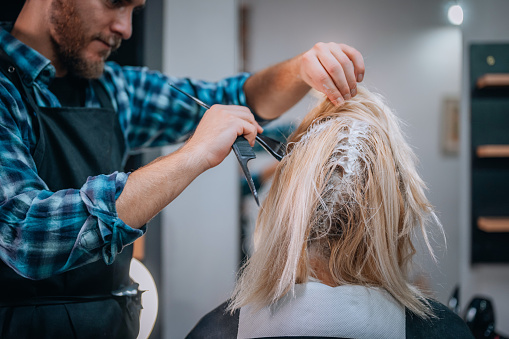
x: 347, y: 195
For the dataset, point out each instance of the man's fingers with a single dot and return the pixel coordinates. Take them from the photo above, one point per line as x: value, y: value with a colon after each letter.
x: 218, y: 129
x: 241, y: 117
x: 259, y: 128
x: 320, y: 79
x: 238, y: 111
x: 333, y: 69
x: 249, y: 131
x: 358, y: 61
x: 348, y: 69
x: 339, y: 68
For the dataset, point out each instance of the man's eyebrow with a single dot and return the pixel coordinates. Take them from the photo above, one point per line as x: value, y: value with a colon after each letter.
x: 140, y: 7
x: 130, y: 2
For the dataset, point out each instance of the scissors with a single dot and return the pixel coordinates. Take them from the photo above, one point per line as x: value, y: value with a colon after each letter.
x: 244, y: 151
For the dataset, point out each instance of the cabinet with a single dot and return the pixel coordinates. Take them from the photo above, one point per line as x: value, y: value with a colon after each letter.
x: 489, y: 132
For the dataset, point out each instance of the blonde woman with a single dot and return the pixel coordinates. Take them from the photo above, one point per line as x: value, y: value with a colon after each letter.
x: 333, y: 241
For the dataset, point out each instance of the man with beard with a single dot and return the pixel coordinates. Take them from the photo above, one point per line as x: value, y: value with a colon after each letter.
x: 67, y: 121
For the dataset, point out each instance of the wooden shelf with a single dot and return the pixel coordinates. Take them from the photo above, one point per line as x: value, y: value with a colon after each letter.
x: 493, y: 224
x: 492, y: 151
x: 493, y: 80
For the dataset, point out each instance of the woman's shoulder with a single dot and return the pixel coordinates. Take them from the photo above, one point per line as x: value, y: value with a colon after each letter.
x: 219, y: 323
x: 446, y: 324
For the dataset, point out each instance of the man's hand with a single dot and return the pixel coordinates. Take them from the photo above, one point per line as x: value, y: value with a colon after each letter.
x: 218, y: 129
x: 149, y: 189
x: 333, y: 69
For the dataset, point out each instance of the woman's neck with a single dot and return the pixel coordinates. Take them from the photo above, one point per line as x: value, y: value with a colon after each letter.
x: 321, y: 271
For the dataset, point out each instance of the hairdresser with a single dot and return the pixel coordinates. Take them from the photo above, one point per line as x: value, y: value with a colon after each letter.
x: 68, y: 120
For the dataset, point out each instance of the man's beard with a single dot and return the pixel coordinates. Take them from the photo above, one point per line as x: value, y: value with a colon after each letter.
x: 70, y: 40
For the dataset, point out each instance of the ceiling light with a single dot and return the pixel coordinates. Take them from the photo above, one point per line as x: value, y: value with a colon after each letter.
x: 455, y: 15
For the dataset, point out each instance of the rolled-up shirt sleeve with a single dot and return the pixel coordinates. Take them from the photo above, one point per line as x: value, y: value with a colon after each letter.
x: 99, y: 195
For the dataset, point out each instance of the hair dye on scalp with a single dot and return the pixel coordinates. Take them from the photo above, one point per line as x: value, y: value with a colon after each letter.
x: 346, y: 199
x: 344, y: 167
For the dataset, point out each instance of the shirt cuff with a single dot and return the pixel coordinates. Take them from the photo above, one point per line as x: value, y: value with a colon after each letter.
x: 99, y: 195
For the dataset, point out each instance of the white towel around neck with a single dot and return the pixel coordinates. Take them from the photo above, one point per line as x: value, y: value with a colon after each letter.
x: 315, y: 309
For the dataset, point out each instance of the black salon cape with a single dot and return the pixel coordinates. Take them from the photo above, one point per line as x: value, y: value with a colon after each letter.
x: 221, y: 324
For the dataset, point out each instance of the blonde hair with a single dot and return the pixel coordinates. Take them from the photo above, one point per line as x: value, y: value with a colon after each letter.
x: 348, y: 196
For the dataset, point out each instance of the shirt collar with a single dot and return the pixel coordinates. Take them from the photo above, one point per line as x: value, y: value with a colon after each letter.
x: 31, y: 63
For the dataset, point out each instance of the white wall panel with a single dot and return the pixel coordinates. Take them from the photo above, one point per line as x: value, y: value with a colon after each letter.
x: 200, y: 228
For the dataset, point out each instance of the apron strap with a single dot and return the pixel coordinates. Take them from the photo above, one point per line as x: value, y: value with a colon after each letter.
x: 102, y: 94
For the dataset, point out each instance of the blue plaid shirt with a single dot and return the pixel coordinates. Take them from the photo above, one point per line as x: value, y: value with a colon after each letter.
x: 43, y: 233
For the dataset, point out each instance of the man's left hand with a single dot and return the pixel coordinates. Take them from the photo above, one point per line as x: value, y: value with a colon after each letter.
x: 333, y: 69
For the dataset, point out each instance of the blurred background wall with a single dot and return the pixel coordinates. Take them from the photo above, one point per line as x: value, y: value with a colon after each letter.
x: 200, y: 229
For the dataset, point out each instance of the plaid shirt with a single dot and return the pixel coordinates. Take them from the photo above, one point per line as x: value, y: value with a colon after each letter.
x: 43, y: 233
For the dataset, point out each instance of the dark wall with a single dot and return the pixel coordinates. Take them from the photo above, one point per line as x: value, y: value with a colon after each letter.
x: 10, y: 9
x: 131, y: 51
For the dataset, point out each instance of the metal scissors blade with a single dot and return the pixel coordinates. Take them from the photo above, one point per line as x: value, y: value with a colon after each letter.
x: 274, y: 147
x: 241, y: 147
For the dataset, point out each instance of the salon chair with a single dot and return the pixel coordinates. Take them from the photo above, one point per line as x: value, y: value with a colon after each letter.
x: 149, y: 299
x: 479, y: 316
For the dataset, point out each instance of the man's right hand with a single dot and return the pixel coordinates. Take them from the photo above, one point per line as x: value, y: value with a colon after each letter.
x: 149, y: 189
x: 217, y: 131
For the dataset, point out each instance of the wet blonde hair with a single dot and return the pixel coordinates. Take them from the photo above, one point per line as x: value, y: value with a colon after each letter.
x: 347, y: 196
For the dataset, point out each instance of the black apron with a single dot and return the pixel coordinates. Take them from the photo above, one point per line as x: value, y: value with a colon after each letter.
x: 96, y: 300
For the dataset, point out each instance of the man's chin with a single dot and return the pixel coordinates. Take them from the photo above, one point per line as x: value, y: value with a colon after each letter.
x: 88, y: 69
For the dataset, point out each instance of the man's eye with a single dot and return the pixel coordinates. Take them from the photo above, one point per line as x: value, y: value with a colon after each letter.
x: 138, y: 10
x: 115, y: 3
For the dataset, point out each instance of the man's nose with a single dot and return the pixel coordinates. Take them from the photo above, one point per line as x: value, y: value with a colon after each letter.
x: 122, y: 24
